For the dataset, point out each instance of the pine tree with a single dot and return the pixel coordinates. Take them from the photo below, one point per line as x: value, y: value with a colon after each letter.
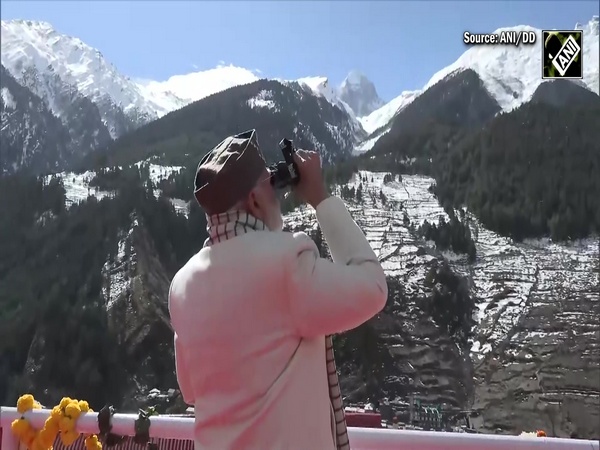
x: 359, y: 196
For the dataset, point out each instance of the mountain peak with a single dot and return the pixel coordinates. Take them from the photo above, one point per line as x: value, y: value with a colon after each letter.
x: 591, y: 27
x: 359, y: 93
x: 355, y: 77
x: 34, y: 24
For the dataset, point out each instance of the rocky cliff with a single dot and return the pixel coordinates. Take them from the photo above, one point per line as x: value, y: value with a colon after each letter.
x: 136, y: 287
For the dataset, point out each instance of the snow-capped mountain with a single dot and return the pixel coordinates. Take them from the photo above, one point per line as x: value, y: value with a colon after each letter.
x: 360, y: 94
x: 97, y: 103
x: 275, y: 109
x: 31, y: 134
x: 321, y: 87
x: 53, y: 66
x: 510, y: 74
x: 64, y: 63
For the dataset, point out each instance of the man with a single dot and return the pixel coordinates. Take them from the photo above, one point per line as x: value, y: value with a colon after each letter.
x: 252, y: 309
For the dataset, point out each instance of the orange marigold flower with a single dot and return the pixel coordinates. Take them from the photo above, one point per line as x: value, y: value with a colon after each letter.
x: 19, y: 427
x: 25, y: 403
x: 68, y: 437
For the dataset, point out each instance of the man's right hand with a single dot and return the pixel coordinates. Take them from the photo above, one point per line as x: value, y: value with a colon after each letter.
x: 311, y: 188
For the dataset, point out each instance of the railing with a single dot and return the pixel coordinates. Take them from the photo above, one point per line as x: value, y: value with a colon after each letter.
x: 181, y: 428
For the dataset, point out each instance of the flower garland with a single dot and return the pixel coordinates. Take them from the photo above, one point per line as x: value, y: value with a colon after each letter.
x: 62, y: 419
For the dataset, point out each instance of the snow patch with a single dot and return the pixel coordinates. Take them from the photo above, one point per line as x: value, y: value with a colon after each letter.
x: 264, y: 99
x: 77, y: 186
x: 382, y: 116
x: 117, y: 268
x: 7, y: 99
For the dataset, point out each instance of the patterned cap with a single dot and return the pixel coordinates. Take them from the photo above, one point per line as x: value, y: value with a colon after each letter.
x: 228, y: 172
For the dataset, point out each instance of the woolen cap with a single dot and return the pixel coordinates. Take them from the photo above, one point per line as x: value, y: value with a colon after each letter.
x: 228, y: 172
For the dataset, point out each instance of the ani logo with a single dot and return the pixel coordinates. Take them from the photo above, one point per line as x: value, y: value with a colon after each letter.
x: 561, y: 54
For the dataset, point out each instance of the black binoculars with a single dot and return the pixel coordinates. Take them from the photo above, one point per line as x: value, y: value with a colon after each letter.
x: 285, y: 173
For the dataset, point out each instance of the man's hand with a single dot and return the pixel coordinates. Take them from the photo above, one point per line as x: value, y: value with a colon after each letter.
x: 311, y: 188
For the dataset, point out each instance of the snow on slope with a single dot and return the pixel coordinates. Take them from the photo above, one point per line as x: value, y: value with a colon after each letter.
x: 507, y: 279
x: 78, y: 189
x: 197, y: 85
x: 379, y: 121
x: 504, y: 277
x: 382, y: 116
x: 591, y: 50
x: 27, y: 43
x: 512, y: 74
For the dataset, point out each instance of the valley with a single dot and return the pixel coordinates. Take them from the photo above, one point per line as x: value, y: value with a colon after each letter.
x: 534, y: 303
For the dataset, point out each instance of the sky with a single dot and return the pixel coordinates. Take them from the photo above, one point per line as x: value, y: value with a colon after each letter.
x: 398, y: 45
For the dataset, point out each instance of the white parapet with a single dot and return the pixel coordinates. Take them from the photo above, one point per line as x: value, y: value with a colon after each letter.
x: 167, y: 427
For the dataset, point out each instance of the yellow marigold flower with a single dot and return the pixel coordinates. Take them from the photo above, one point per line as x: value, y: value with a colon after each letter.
x: 29, y: 437
x: 56, y: 412
x: 66, y: 424
x: 37, y: 405
x: 65, y: 401
x: 38, y: 444
x: 19, y: 427
x: 25, y: 403
x: 84, y: 406
x: 92, y: 443
x: 73, y: 410
x: 68, y: 437
x: 47, y: 437
x: 51, y: 425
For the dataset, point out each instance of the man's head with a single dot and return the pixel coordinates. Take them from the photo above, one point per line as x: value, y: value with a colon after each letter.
x: 234, y: 175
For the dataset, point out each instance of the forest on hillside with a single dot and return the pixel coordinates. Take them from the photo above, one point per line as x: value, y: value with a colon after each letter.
x: 528, y: 173
x: 53, y: 312
x: 51, y: 277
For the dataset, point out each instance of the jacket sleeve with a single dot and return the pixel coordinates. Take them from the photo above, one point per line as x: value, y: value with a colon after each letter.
x: 331, y: 297
x: 183, y: 376
x: 181, y: 369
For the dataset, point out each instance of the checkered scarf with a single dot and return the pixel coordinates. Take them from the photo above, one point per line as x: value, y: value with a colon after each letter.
x: 235, y: 223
